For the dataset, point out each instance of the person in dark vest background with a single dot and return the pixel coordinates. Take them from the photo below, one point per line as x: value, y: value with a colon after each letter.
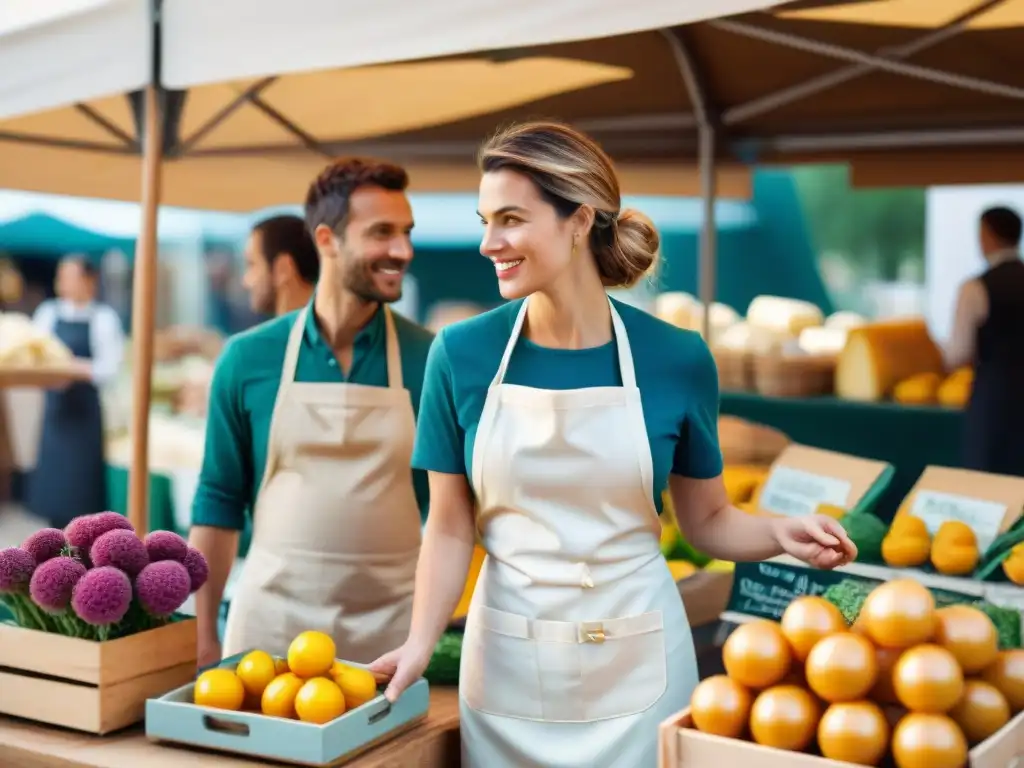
x: 988, y: 333
x: 70, y: 477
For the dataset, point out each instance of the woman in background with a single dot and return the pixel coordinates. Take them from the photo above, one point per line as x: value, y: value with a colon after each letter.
x: 534, y: 431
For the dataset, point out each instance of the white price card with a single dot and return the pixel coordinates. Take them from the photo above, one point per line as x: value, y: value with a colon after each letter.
x: 984, y: 517
x: 796, y: 492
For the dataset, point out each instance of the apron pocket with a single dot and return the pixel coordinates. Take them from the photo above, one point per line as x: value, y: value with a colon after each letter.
x: 499, y: 673
x: 626, y: 672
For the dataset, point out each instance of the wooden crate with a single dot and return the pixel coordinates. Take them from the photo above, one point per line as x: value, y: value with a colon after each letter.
x: 90, y: 686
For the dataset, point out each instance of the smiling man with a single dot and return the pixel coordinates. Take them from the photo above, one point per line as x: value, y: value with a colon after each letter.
x: 311, y: 424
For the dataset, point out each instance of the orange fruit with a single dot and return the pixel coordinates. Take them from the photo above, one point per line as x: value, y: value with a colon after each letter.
x: 720, y: 706
x: 899, y: 614
x: 311, y: 654
x: 928, y: 741
x: 842, y: 667
x: 928, y: 679
x: 319, y: 701
x: 969, y: 635
x: 279, y: 697
x: 219, y: 688
x: 358, y: 686
x: 337, y: 668
x: 807, y: 620
x: 854, y: 732
x: 256, y: 670
x: 981, y: 711
x: 784, y: 717
x: 1007, y: 674
x: 757, y: 654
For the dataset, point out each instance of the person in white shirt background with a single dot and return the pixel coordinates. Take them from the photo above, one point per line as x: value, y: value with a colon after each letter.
x: 70, y: 477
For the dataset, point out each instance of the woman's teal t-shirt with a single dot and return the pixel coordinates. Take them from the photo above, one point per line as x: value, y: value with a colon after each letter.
x: 675, y: 372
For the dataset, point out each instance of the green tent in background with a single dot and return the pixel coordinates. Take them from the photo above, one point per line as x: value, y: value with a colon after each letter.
x: 41, y: 235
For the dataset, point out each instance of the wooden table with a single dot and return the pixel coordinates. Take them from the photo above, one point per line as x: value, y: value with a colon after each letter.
x: 434, y: 743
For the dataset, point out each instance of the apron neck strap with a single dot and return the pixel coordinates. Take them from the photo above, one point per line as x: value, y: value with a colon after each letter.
x: 394, y: 356
x: 626, y: 369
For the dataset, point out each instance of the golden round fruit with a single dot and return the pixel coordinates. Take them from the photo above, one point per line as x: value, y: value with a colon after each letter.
x: 927, y: 679
x: 784, y: 717
x: 219, y: 688
x: 928, y: 741
x: 281, y: 666
x: 1007, y: 674
x: 883, y: 691
x: 842, y: 667
x: 279, y: 697
x: 311, y: 654
x: 807, y: 620
x: 969, y: 635
x: 981, y: 711
x: 720, y: 706
x: 357, y: 685
x: 757, y: 654
x: 899, y: 614
x: 337, y: 668
x: 319, y: 701
x: 854, y: 732
x: 256, y: 670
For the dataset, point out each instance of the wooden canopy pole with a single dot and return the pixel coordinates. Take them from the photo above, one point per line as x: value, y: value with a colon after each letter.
x: 144, y: 311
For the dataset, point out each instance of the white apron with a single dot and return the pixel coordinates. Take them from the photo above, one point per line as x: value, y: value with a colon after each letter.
x: 336, y: 526
x: 577, y: 644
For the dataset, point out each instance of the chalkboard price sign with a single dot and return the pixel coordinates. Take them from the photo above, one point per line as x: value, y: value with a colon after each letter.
x: 763, y: 590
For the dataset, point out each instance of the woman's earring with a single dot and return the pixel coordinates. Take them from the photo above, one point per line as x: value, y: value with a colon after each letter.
x: 573, y: 246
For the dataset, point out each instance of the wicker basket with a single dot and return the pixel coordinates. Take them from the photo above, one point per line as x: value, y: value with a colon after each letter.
x: 789, y: 375
x: 735, y: 370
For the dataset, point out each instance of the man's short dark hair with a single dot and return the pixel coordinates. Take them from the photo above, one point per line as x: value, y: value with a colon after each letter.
x: 327, y: 201
x: 287, y: 234
x: 1004, y: 224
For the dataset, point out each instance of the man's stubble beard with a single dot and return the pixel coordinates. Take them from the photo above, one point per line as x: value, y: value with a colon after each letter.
x: 358, y: 280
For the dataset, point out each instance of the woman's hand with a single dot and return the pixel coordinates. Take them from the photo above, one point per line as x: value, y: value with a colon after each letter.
x: 401, y: 668
x: 816, y: 539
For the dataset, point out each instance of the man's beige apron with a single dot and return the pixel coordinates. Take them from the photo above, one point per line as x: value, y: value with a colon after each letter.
x: 577, y: 643
x: 336, y: 526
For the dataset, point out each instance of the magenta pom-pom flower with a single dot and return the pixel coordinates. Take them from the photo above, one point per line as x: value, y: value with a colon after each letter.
x: 122, y: 549
x: 166, y: 545
x: 45, y: 544
x: 16, y: 567
x: 197, y: 567
x: 83, y: 531
x: 54, y: 582
x: 163, y: 587
x: 102, y: 596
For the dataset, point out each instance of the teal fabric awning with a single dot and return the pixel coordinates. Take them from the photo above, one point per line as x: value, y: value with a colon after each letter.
x: 42, y: 235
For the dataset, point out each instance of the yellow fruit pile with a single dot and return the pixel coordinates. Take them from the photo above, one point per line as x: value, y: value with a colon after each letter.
x: 311, y: 685
x: 953, y: 551
x: 907, y: 680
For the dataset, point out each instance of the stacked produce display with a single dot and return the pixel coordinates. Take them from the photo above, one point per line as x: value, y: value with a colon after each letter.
x: 97, y: 580
x: 310, y: 684
x: 869, y: 676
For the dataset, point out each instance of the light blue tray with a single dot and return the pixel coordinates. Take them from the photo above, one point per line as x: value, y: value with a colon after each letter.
x: 174, y: 718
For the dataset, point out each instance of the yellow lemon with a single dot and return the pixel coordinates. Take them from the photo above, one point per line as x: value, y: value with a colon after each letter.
x: 281, y: 666
x: 311, y: 654
x: 337, y: 668
x: 279, y: 697
x: 256, y: 670
x: 358, y: 685
x: 319, y: 701
x: 219, y: 688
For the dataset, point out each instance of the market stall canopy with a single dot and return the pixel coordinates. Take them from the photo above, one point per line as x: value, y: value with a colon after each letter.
x: 257, y: 94
x: 39, y: 234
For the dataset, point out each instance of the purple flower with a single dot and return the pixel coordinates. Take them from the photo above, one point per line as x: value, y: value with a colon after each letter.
x: 121, y: 549
x: 16, y: 566
x: 45, y: 544
x: 163, y: 587
x: 54, y: 582
x: 102, y: 596
x: 197, y: 567
x: 83, y: 531
x: 166, y: 545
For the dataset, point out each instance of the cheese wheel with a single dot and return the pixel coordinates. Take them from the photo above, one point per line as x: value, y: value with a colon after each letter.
x: 822, y: 340
x: 878, y: 356
x: 743, y: 337
x: 789, y: 316
x: 844, y: 320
